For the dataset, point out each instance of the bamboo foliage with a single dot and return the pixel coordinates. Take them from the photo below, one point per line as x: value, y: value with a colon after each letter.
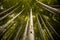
x: 18, y: 20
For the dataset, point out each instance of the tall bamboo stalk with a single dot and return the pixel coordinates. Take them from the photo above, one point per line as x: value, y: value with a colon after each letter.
x: 8, y: 13
x: 2, y: 27
x: 46, y: 28
x: 25, y: 33
x: 31, y: 30
x: 49, y: 8
x: 51, y: 27
x: 40, y: 30
x: 9, y: 9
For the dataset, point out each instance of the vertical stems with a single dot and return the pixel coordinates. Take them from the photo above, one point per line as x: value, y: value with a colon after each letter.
x: 31, y: 30
x: 40, y: 30
x: 19, y: 30
x: 25, y: 32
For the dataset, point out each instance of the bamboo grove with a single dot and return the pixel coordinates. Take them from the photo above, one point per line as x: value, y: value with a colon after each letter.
x: 29, y: 20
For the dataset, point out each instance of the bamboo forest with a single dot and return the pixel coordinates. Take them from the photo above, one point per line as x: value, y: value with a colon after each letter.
x: 29, y: 19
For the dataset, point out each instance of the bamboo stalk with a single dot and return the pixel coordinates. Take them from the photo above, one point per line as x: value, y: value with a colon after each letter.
x: 19, y: 30
x: 51, y: 27
x: 8, y: 14
x: 25, y: 33
x: 3, y: 26
x: 46, y: 28
x: 5, y: 30
x: 31, y: 30
x: 54, y: 10
x: 9, y: 9
x: 7, y: 34
x: 40, y: 30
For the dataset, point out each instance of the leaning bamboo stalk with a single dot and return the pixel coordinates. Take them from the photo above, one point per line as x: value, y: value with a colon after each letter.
x: 46, y: 28
x: 50, y: 11
x: 55, y: 6
x: 8, y: 33
x: 40, y: 30
x: 5, y: 30
x: 2, y: 27
x: 21, y: 34
x: 31, y: 30
x: 9, y: 9
x: 54, y: 10
x: 8, y: 13
x: 51, y: 27
x: 10, y: 36
x: 25, y: 33
x: 19, y: 30
x: 14, y: 33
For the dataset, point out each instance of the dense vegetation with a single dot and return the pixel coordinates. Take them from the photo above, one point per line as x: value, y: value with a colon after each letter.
x: 29, y: 20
